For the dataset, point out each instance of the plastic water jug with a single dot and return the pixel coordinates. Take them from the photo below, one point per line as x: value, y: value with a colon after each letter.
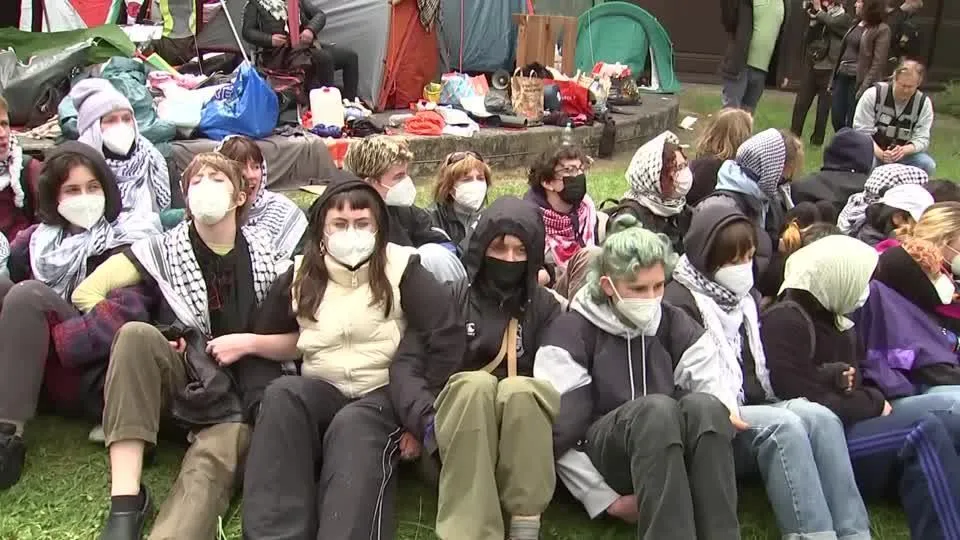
x: 326, y: 106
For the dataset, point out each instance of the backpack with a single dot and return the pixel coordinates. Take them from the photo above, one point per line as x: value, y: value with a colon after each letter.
x: 904, y: 39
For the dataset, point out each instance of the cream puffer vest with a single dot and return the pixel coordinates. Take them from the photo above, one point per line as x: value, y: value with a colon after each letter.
x: 351, y: 343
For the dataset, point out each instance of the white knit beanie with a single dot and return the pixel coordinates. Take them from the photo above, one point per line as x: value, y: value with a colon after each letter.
x: 95, y: 98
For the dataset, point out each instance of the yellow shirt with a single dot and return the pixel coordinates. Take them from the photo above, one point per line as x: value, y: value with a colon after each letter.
x: 115, y: 273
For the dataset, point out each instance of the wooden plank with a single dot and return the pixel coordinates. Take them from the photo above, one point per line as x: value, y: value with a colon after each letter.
x: 569, y: 47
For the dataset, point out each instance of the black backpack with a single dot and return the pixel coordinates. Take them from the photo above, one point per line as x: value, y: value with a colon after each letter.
x: 904, y: 39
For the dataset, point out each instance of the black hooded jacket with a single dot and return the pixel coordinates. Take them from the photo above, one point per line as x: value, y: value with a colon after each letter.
x: 259, y: 26
x: 704, y: 230
x: 847, y: 162
x: 484, y: 315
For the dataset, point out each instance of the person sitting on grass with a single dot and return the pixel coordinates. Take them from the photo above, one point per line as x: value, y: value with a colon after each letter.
x: 847, y: 162
x: 557, y: 185
x: 944, y: 190
x: 19, y: 174
x: 900, y: 206
x: 641, y: 433
x: 853, y: 216
x: 276, y: 215
x: 206, y: 362
x: 814, y: 352
x: 382, y: 162
x: 659, y: 180
x: 106, y: 123
x: 797, y: 447
x: 323, y: 457
x: 717, y: 143
x: 483, y: 412
x: 899, y: 117
x: 51, y: 351
x: 460, y: 194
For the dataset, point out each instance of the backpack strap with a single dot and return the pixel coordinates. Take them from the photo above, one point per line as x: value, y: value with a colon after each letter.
x: 919, y: 98
x: 508, y: 350
x: 880, y: 98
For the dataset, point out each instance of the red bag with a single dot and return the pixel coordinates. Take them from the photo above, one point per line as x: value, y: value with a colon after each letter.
x: 574, y: 99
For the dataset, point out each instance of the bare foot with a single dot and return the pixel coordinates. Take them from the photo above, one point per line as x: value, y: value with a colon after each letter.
x: 625, y: 508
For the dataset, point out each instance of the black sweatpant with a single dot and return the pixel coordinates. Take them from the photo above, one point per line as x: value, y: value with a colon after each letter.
x: 327, y: 59
x: 815, y: 83
x: 677, y: 458
x: 321, y: 465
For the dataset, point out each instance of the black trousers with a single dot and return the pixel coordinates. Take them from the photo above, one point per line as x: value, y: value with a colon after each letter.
x: 677, y: 458
x: 321, y: 465
x: 815, y: 83
x: 327, y: 59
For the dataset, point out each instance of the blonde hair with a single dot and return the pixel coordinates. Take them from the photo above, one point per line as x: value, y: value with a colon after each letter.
x: 724, y: 134
x: 794, y: 160
x: 220, y: 163
x: 925, y: 253
x: 795, y: 237
x: 371, y: 157
x: 939, y: 225
x: 449, y: 173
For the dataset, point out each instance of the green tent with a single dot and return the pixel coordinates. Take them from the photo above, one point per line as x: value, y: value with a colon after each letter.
x: 622, y: 32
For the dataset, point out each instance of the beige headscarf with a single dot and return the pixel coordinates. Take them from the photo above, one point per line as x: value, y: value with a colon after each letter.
x: 836, y: 270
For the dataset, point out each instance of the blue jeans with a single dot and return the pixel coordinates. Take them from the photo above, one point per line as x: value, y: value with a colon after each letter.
x: 913, y: 449
x: 921, y: 160
x: 844, y: 102
x: 744, y: 92
x: 800, y: 451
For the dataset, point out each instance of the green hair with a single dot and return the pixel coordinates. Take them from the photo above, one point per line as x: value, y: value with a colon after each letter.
x: 629, y: 248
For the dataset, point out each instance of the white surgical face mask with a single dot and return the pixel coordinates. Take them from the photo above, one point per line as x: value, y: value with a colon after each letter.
x: 84, y: 211
x: 945, y: 288
x: 862, y: 301
x: 403, y: 193
x: 737, y: 279
x: 351, y: 247
x: 684, y: 182
x: 954, y: 262
x: 118, y: 138
x: 642, y: 312
x: 471, y: 195
x: 210, y: 200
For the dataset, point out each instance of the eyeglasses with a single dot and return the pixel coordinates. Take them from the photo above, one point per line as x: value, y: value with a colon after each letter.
x: 460, y: 156
x: 570, y: 171
x: 342, y: 226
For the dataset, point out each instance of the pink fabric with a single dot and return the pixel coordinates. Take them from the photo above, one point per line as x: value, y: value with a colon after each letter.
x: 887, y: 244
x: 561, y: 240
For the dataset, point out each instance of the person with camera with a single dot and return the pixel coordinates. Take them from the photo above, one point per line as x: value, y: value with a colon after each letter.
x: 829, y: 22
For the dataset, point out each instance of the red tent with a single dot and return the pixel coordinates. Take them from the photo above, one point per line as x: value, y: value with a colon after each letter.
x: 412, y: 58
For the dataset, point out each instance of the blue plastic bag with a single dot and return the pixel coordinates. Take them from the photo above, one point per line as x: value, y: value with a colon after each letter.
x: 251, y: 109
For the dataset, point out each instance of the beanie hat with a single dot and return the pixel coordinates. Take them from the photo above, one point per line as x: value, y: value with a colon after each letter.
x: 95, y: 98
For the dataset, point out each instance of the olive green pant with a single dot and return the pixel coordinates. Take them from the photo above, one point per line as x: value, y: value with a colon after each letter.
x: 496, y: 447
x: 142, y: 378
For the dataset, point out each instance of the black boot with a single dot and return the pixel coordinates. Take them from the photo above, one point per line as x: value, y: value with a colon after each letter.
x: 128, y: 525
x: 12, y: 453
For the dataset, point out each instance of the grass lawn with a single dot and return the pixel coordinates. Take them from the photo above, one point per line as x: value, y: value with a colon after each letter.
x: 64, y: 491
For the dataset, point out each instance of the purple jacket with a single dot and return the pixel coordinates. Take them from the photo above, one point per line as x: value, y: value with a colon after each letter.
x: 899, y: 337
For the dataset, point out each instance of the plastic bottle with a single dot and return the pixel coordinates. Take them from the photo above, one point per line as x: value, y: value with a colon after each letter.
x: 567, y: 137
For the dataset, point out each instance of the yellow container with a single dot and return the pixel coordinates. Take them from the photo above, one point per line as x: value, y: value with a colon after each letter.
x: 431, y: 92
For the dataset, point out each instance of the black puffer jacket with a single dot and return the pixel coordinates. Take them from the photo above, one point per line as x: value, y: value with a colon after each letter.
x: 847, y: 162
x: 259, y: 25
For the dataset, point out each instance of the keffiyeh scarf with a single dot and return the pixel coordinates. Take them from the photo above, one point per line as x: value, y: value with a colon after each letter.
x: 143, y: 179
x: 643, y: 175
x: 723, y: 316
x: 10, y: 170
x: 429, y: 13
x: 171, y: 262
x: 881, y: 179
x: 561, y: 240
x: 276, y: 8
x: 59, y: 259
x: 763, y: 157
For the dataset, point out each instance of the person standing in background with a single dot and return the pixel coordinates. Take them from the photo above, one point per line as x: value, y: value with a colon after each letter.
x: 829, y: 22
x: 753, y: 27
x: 862, y: 61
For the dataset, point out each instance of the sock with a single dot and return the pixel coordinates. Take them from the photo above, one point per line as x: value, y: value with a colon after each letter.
x: 9, y: 427
x: 525, y: 528
x: 126, y: 503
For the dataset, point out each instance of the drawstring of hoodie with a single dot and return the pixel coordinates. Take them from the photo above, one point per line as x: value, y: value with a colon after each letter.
x: 643, y: 366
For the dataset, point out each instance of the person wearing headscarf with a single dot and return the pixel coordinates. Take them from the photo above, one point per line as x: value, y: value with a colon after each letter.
x: 753, y: 182
x: 854, y: 213
x: 814, y: 352
x: 46, y: 344
x: 277, y: 216
x: 912, y: 307
x: 900, y: 206
x: 483, y: 414
x: 797, y: 447
x: 645, y: 425
x: 106, y: 123
x: 659, y: 180
x: 19, y: 174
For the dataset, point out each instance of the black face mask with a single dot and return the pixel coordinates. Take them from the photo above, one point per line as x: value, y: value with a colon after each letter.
x: 504, y: 276
x: 574, y: 188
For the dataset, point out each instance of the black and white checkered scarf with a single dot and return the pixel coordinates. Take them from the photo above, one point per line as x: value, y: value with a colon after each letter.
x: 881, y: 179
x: 764, y: 156
x: 643, y: 174
x: 10, y: 170
x: 688, y: 276
x: 143, y: 179
x: 171, y: 262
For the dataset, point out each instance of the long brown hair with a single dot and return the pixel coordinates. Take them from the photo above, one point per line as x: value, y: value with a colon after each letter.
x: 310, y: 282
x: 724, y: 134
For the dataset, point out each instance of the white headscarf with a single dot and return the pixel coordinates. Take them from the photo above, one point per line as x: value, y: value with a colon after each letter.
x: 836, y: 270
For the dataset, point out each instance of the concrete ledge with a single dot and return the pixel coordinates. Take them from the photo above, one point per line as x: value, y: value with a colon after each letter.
x: 506, y: 148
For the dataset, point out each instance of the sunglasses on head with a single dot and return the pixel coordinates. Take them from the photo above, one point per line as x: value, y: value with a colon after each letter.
x: 460, y: 156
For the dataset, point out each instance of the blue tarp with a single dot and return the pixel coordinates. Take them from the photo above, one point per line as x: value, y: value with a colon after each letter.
x: 488, y: 40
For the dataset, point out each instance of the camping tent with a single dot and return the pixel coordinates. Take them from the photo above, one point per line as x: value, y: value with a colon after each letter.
x: 626, y: 33
x: 59, y: 15
x: 412, y: 58
x: 478, y: 36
